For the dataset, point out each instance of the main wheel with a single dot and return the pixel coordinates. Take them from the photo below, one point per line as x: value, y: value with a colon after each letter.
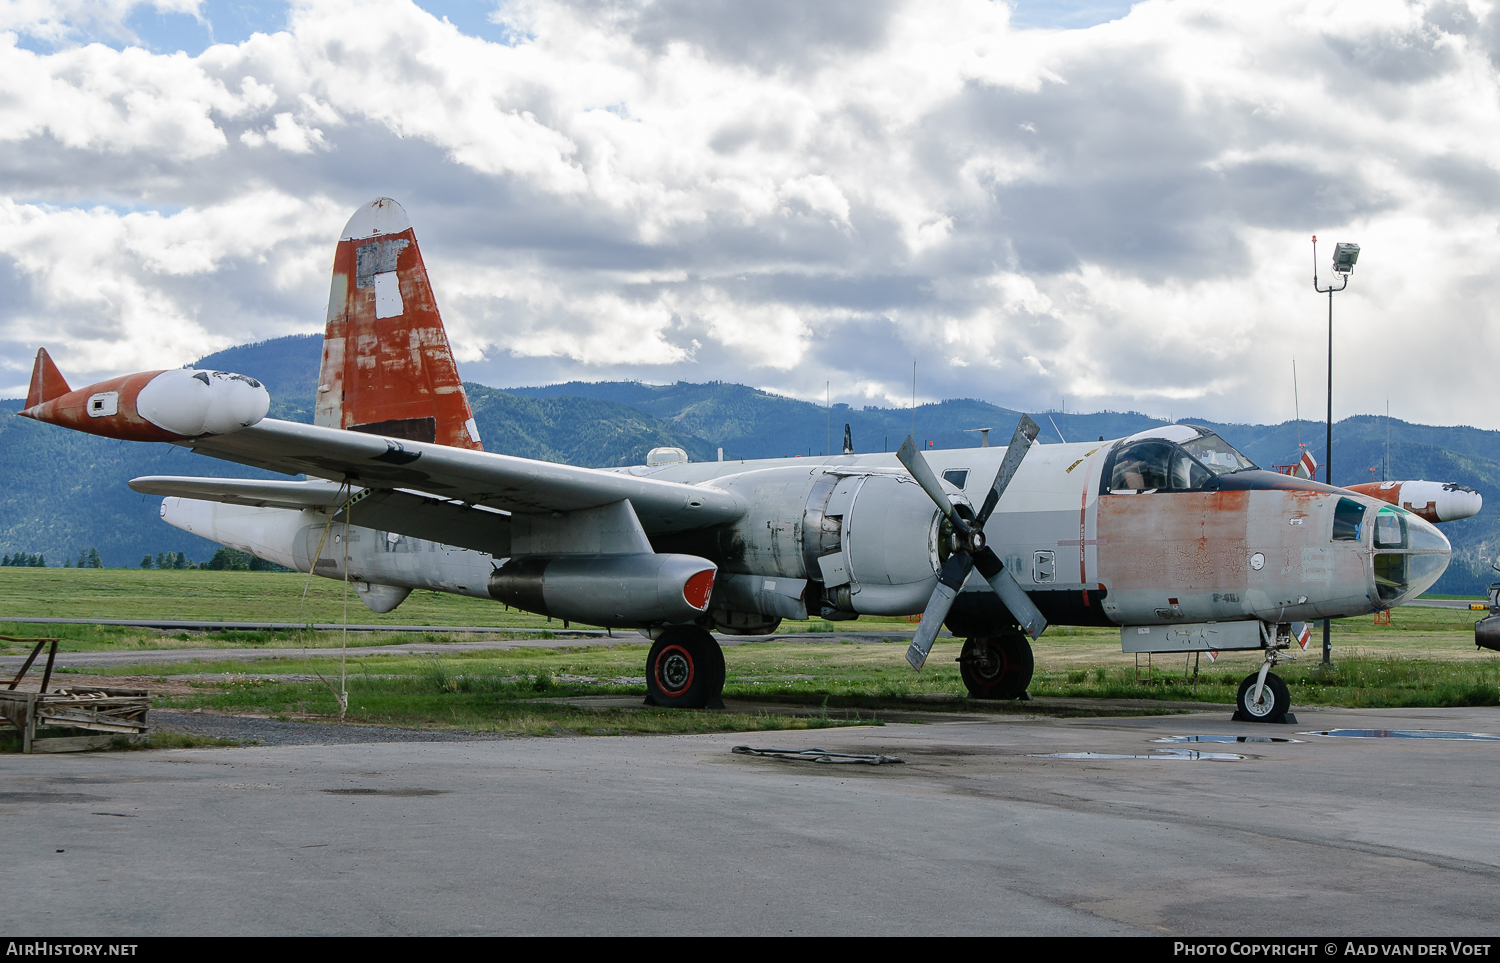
x: 685, y: 668
x: 996, y: 667
x: 1274, y: 702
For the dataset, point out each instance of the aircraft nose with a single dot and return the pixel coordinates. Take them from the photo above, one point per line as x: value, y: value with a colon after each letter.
x: 1410, y: 555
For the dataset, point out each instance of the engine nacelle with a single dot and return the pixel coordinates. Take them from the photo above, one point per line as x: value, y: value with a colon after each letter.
x: 628, y: 591
x: 1433, y: 501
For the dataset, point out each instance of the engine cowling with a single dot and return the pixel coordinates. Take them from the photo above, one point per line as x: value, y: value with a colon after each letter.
x: 629, y: 591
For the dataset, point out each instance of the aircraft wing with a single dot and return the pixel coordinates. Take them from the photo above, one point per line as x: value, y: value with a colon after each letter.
x: 502, y: 482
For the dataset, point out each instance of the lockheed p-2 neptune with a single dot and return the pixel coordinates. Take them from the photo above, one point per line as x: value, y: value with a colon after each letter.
x: 1170, y: 534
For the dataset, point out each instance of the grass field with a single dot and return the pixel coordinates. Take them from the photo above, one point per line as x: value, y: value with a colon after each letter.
x: 207, y: 596
x: 1425, y: 658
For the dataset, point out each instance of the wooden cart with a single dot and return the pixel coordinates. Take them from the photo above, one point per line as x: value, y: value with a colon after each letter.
x: 106, y: 713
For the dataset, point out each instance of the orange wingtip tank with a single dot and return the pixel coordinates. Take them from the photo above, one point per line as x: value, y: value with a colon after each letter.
x: 149, y: 405
x: 1430, y: 500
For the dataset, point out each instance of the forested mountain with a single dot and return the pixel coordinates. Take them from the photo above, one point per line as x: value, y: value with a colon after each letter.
x: 61, y: 491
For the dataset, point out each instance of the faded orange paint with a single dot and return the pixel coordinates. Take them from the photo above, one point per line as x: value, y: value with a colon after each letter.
x: 47, y: 382
x: 1193, y: 541
x: 1385, y: 491
x: 392, y: 375
x: 1390, y: 492
x: 71, y: 410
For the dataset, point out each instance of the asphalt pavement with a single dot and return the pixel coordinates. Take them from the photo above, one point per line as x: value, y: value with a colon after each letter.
x: 981, y: 829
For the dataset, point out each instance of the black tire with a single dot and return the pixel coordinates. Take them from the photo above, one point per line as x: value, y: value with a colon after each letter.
x: 1275, y: 699
x: 996, y: 667
x: 685, y: 669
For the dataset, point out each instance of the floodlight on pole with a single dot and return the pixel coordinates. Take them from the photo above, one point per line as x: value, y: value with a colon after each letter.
x: 1344, y: 257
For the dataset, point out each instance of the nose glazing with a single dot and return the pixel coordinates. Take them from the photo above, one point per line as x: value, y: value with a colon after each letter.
x: 1409, y: 555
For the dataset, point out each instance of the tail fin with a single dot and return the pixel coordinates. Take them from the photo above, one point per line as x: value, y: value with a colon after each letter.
x: 46, y: 381
x: 387, y: 367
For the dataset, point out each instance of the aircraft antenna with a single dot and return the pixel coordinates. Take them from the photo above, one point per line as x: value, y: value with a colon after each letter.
x: 1297, y: 407
x: 914, y: 399
x: 1386, y: 460
x: 828, y: 420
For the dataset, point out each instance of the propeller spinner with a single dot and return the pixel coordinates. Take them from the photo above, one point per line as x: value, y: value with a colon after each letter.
x: 969, y: 548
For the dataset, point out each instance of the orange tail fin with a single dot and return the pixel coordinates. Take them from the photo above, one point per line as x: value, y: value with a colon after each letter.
x: 46, y: 381
x: 387, y: 367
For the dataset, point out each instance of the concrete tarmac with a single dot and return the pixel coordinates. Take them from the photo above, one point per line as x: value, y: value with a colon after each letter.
x: 971, y: 834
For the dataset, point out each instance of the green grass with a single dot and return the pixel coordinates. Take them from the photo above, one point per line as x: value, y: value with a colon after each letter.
x: 1359, y: 682
x: 1426, y: 658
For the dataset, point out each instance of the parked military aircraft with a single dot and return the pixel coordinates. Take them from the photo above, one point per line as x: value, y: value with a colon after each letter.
x: 1170, y: 534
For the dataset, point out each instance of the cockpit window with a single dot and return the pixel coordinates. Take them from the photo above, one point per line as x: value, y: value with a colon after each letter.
x: 1217, y: 454
x: 1157, y: 466
x: 1142, y: 467
x: 1390, y: 529
x: 1346, y: 520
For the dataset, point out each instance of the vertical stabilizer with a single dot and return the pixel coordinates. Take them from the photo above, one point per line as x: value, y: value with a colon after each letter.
x: 46, y: 381
x: 387, y: 367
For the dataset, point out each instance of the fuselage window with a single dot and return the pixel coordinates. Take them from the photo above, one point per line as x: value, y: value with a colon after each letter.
x: 957, y: 477
x: 1346, y: 520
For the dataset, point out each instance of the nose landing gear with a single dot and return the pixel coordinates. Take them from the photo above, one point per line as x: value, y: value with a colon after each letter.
x: 1263, y: 696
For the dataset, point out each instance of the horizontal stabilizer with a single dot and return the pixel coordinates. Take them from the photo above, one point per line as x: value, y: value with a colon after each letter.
x: 46, y: 381
x: 294, y: 495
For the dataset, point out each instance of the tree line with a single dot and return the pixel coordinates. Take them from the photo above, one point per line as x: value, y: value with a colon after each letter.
x: 86, y: 559
x: 224, y: 560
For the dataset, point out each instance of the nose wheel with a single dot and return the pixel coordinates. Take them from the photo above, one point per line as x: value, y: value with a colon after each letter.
x: 685, y: 670
x: 1263, y: 696
x: 996, y: 667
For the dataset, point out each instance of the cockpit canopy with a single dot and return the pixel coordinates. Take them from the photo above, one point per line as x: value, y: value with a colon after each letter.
x: 1173, y: 458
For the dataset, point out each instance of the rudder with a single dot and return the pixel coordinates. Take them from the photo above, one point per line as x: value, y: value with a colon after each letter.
x: 387, y: 366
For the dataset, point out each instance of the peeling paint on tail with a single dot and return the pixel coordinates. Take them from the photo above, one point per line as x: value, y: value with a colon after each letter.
x: 387, y: 367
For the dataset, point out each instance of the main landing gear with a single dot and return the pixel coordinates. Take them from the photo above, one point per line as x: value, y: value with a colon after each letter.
x: 1263, y: 697
x: 685, y: 670
x: 996, y: 666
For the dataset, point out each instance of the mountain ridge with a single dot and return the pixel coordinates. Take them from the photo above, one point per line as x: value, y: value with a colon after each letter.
x: 609, y: 424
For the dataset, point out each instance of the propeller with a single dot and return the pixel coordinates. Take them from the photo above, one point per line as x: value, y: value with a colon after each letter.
x: 969, y: 548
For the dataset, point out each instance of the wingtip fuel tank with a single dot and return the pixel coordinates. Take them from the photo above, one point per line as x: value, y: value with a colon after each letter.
x: 1433, y: 501
x: 148, y: 406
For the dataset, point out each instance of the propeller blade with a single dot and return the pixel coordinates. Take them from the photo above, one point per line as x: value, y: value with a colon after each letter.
x: 955, y: 572
x: 1010, y: 592
x: 922, y: 472
x: 1020, y: 444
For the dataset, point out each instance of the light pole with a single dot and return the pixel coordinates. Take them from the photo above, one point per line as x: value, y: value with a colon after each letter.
x: 1344, y: 257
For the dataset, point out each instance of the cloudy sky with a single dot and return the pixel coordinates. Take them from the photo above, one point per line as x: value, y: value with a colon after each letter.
x: 1088, y: 204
